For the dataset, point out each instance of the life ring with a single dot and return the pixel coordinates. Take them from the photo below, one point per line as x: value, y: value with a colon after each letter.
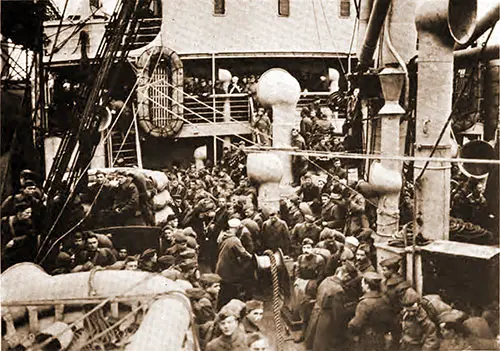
x: 148, y: 62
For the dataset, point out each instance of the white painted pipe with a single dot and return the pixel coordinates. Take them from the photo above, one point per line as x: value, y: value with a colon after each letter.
x: 440, y: 24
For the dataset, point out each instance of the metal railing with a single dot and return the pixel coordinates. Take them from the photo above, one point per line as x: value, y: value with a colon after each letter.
x: 229, y: 107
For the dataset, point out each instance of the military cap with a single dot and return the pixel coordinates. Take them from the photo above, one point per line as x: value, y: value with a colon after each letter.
x: 21, y: 206
x: 372, y: 277
x: 195, y: 293
x: 329, y: 233
x: 78, y: 235
x: 188, y: 231
x: 309, y: 218
x: 210, y: 278
x: 254, y: 305
x: 253, y: 337
x: 352, y: 241
x: 391, y: 262
x: 122, y: 172
x: 188, y: 264
x: 307, y: 241
x: 350, y: 268
x: 364, y: 247
x: 228, y: 311
x: 234, y: 223
x: 179, y: 237
x: 204, y: 303
x: 171, y: 217
x: 346, y: 255
x: 166, y: 260
x: 29, y: 183
x: 335, y: 195
x: 366, y: 235
x: 28, y: 174
x: 188, y: 253
x: 148, y: 253
x: 410, y: 297
x: 205, y: 205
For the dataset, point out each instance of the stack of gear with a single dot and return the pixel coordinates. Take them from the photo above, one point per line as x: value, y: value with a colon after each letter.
x: 469, y: 232
x: 405, y: 237
x: 152, y: 186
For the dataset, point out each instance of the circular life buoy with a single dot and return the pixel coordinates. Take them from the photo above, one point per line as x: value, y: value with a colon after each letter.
x: 154, y: 117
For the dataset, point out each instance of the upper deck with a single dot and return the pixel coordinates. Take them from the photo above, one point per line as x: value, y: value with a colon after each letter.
x: 230, y: 28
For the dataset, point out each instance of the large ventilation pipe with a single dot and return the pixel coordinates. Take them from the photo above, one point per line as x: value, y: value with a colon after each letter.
x: 365, y: 7
x: 280, y: 91
x: 400, y: 33
x: 377, y: 17
x: 485, y: 23
x: 440, y: 24
x: 491, y: 99
x: 469, y: 56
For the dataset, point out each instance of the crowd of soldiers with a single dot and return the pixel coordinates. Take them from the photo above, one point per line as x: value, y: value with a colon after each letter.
x: 204, y: 86
x: 216, y: 227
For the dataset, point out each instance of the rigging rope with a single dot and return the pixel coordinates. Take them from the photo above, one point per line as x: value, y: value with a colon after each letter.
x: 276, y: 301
x: 84, y: 173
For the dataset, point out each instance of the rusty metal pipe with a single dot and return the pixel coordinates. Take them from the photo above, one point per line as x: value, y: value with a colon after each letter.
x: 377, y: 18
x: 485, y: 23
x: 440, y: 24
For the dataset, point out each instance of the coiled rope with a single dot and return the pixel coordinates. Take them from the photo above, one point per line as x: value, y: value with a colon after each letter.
x: 276, y: 302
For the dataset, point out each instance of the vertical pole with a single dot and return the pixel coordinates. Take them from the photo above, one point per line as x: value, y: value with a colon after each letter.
x: 213, y: 106
x: 137, y: 140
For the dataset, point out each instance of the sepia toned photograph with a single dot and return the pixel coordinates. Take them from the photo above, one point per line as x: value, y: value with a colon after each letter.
x: 250, y: 175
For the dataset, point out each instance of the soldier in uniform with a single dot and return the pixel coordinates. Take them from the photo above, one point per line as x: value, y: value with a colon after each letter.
x: 100, y: 194
x: 356, y: 218
x: 180, y: 245
x: 327, y: 328
x: 231, y: 263
x: 254, y: 311
x: 126, y: 207
x: 233, y: 337
x: 19, y: 238
x: 94, y: 255
x: 374, y: 318
x: 211, y: 283
x: 393, y: 285
x: 308, y: 229
x: 418, y: 331
x: 275, y: 234
x: 333, y: 211
x: 262, y: 125
x: 299, y: 163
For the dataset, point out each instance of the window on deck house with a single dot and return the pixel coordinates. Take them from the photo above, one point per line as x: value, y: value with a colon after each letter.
x: 284, y: 8
x: 345, y: 8
x: 219, y: 7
